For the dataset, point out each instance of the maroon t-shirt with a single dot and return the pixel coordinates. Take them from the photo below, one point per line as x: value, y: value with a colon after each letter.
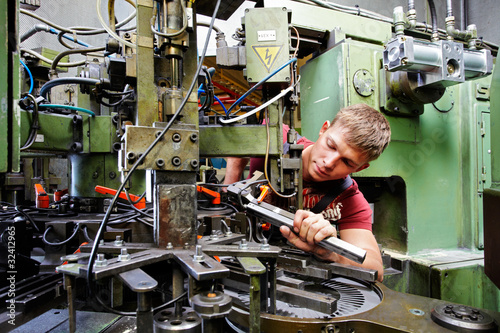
x: 349, y: 210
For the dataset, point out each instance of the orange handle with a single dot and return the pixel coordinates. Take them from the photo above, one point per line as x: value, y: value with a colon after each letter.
x: 210, y: 193
x: 42, y: 199
x: 264, y: 191
x: 106, y: 190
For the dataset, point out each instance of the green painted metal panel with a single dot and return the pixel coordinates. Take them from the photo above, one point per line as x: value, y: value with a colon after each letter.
x: 102, y: 134
x: 323, y: 90
x: 250, y: 140
x: 353, y: 26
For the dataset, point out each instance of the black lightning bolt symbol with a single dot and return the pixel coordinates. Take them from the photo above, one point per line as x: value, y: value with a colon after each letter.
x: 268, y: 57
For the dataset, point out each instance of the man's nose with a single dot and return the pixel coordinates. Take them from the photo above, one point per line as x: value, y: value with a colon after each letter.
x: 331, y: 159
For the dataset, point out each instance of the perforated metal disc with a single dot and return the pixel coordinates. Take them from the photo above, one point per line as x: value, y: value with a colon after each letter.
x: 353, y: 297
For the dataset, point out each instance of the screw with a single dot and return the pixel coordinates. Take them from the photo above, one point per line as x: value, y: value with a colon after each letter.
x: 160, y: 163
x: 176, y: 137
x: 101, y: 261
x: 169, y: 246
x: 112, y: 175
x: 213, y: 235
x: 118, y: 241
x: 124, y: 255
x: 157, y: 134
x: 194, y: 164
x: 198, y: 256
x: 243, y: 244
x: 264, y: 245
x: 186, y: 246
x: 131, y: 156
x: 194, y: 137
x: 176, y: 161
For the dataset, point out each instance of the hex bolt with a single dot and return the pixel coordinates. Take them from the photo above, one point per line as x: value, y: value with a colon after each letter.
x: 194, y: 137
x: 160, y: 163
x: 264, y: 245
x: 124, y: 255
x: 194, y: 164
x: 213, y: 235
x: 198, y: 256
x: 186, y: 246
x: 176, y: 137
x: 176, y: 161
x: 118, y: 241
x: 169, y: 246
x: 101, y: 261
x: 243, y: 244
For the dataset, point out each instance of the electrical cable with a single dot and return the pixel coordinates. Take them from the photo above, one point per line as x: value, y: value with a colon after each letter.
x: 132, y: 201
x: 49, y: 61
x: 239, y: 100
x: 136, y: 209
x: 257, y: 109
x: 69, y: 107
x: 85, y: 230
x: 102, y: 227
x: 30, y: 75
x: 72, y: 51
x: 44, y: 237
x: 221, y: 104
x: 111, y: 14
x: 65, y: 80
x: 62, y: 34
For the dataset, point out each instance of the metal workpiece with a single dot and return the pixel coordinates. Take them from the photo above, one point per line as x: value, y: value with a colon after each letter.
x: 308, y: 300
x: 256, y: 270
x: 207, y: 270
x: 166, y: 321
x: 360, y: 273
x: 138, y: 138
x: 176, y: 216
x: 252, y: 250
x: 279, y: 217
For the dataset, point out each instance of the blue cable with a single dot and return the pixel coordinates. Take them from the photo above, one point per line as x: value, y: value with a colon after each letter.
x: 221, y: 104
x: 216, y: 98
x: 31, y: 76
x: 69, y: 107
x: 239, y: 100
x: 54, y: 31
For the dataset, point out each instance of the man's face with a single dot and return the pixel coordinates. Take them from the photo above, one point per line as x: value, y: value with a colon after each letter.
x: 331, y: 157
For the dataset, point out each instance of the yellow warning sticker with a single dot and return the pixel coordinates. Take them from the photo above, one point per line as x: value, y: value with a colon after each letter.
x: 267, y: 54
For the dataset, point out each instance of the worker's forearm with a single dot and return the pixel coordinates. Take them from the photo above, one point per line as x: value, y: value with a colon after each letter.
x: 234, y: 169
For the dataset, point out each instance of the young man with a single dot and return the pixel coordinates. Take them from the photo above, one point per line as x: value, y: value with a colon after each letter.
x: 357, y: 135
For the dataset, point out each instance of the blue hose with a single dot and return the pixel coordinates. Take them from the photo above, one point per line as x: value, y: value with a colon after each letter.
x: 29, y: 73
x: 69, y: 107
x: 239, y: 100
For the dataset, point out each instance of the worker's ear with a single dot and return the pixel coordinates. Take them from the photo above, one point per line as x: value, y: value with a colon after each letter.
x: 325, y: 126
x: 364, y: 166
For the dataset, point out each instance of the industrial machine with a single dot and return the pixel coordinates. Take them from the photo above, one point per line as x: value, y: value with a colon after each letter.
x: 82, y: 250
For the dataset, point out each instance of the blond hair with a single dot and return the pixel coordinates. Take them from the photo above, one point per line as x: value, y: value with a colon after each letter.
x: 364, y: 128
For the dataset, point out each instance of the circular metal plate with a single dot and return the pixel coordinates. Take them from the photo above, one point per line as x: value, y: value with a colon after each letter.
x: 364, y: 82
x: 166, y: 321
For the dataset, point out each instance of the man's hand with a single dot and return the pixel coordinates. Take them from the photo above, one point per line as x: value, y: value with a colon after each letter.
x: 309, y: 229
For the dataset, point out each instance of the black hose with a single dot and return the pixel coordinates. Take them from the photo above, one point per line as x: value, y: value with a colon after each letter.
x: 65, y: 80
x: 433, y: 18
x: 44, y: 238
x: 72, y: 51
